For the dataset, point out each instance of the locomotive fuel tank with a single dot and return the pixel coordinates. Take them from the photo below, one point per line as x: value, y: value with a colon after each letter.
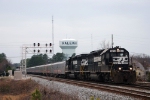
x: 94, y: 77
x: 71, y: 75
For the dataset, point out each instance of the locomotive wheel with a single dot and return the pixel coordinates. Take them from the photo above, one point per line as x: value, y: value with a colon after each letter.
x: 101, y: 78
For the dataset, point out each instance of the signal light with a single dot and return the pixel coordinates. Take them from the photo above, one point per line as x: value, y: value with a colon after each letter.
x: 38, y: 44
x: 38, y: 50
x: 34, y: 50
x: 50, y: 51
x: 34, y: 44
x: 46, y: 44
x: 50, y: 44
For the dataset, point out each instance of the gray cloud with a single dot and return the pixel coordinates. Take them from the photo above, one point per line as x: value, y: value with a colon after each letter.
x: 29, y: 21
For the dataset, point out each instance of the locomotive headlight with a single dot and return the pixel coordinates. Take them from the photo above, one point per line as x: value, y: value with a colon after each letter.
x: 118, y: 50
x: 130, y: 68
x: 119, y: 68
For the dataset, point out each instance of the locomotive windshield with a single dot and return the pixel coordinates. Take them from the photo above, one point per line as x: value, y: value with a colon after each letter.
x: 118, y: 54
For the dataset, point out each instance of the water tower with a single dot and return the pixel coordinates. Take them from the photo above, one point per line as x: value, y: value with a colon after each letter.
x: 68, y: 46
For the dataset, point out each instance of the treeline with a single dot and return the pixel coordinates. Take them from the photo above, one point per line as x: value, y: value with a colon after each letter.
x: 143, y: 59
x: 5, y: 65
x: 42, y: 59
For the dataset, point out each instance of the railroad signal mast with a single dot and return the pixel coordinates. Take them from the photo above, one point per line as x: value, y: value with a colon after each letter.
x: 34, y: 49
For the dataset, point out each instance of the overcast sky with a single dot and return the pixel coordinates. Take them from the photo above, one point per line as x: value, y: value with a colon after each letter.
x: 88, y: 21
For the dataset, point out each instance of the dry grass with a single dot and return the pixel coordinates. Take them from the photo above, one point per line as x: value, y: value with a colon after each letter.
x: 55, y: 95
x: 16, y: 90
x: 23, y: 89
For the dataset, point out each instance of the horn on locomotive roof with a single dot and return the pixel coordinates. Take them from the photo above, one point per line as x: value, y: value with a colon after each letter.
x: 117, y: 47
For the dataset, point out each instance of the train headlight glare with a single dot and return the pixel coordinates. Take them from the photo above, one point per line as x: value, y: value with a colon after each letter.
x: 118, y: 50
x: 119, y: 68
x: 130, y: 68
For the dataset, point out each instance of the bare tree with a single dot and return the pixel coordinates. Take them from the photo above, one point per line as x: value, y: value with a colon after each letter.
x: 104, y: 45
x: 143, y: 59
x: 5, y: 64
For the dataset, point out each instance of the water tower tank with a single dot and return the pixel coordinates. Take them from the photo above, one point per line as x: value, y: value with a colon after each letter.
x: 68, y: 46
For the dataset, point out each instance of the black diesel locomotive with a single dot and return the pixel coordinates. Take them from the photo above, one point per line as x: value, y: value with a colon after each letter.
x: 107, y: 65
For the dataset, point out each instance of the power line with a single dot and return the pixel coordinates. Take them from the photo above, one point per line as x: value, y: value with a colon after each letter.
x: 15, y: 57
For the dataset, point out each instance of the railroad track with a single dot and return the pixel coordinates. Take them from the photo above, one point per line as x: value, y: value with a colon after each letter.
x: 137, y: 86
x: 136, y: 91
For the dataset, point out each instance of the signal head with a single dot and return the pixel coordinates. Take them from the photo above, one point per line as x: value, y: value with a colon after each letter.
x: 46, y: 44
x: 50, y: 44
x: 34, y: 44
x: 38, y: 44
x: 50, y: 51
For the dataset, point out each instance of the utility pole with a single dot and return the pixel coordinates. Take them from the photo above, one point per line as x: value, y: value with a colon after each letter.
x: 53, y: 34
x: 91, y: 42
x: 21, y: 60
x: 25, y: 62
x: 112, y: 41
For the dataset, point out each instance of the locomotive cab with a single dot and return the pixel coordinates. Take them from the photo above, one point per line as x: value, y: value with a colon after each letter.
x: 121, y: 71
x: 119, y: 58
x: 116, y: 62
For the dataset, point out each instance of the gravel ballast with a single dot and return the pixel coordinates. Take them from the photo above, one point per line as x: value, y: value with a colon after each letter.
x: 81, y: 92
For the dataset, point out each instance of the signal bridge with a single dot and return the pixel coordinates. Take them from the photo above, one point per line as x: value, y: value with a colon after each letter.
x: 34, y: 49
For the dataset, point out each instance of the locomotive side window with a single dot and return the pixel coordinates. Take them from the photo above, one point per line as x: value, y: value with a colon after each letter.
x: 113, y: 54
x: 125, y: 54
x: 107, y: 55
x: 103, y: 57
x: 107, y: 58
